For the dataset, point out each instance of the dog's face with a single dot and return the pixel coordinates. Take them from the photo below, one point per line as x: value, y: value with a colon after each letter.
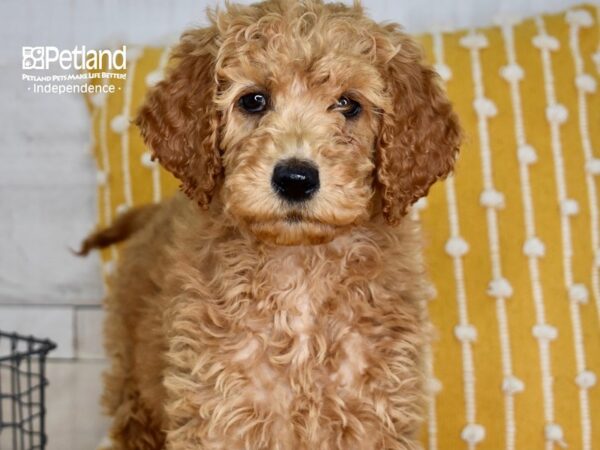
x: 304, y: 118
x: 298, y: 140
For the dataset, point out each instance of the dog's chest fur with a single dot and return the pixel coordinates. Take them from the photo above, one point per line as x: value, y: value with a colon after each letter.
x: 299, y: 337
x: 295, y: 345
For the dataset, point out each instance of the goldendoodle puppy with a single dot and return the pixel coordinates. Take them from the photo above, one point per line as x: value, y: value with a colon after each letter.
x: 280, y: 304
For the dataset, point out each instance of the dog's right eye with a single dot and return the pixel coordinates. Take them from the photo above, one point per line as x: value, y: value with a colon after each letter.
x: 254, y: 103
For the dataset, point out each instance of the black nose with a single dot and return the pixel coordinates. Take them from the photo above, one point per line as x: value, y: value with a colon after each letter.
x: 295, y: 180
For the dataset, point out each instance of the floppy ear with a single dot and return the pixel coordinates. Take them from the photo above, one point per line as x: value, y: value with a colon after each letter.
x: 420, y: 134
x: 179, y: 121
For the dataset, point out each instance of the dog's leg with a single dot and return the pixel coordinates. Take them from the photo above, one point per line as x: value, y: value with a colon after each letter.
x: 134, y: 426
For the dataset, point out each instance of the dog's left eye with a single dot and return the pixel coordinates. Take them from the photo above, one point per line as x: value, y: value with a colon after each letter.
x: 253, y: 103
x: 348, y: 107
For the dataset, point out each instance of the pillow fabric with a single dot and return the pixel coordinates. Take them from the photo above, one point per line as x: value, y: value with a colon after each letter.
x: 512, y: 240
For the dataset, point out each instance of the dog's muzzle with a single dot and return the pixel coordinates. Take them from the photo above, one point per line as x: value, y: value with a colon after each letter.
x: 295, y: 180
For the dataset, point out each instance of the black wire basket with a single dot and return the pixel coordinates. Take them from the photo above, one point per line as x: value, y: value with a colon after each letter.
x: 22, y: 391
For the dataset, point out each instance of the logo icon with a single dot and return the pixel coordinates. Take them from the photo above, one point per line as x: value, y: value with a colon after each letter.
x: 33, y: 58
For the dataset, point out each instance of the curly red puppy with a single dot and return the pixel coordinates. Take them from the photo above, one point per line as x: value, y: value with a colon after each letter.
x: 288, y: 310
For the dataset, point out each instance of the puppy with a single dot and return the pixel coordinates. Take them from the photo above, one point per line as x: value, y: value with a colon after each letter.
x: 279, y: 303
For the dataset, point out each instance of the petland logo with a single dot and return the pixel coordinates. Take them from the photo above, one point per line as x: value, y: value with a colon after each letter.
x: 48, y: 70
x: 45, y: 58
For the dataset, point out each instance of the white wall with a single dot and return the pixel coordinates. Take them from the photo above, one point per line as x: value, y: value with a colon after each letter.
x: 47, y: 192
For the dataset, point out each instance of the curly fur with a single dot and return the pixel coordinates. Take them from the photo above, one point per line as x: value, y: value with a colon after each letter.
x: 237, y: 327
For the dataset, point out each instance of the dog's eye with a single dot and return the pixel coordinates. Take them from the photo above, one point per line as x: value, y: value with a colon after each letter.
x: 253, y: 103
x: 348, y: 107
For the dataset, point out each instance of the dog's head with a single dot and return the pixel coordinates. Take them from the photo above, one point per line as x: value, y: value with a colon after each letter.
x: 305, y: 118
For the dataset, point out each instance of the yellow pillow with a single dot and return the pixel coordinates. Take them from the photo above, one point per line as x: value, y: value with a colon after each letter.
x: 512, y: 240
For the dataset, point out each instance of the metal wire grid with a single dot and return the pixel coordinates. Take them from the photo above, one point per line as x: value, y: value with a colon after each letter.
x: 22, y: 391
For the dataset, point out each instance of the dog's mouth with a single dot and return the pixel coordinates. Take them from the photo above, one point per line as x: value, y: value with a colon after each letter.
x: 294, y: 228
x: 294, y: 225
x: 294, y: 217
